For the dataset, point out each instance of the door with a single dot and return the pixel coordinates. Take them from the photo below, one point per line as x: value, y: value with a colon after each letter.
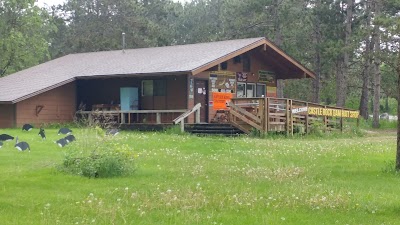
x: 201, y: 96
x: 129, y: 98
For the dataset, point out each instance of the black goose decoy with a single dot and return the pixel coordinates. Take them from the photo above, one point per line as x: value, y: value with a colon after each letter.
x: 1, y: 144
x: 22, y: 146
x: 62, y: 142
x: 64, y: 130
x: 27, y: 127
x: 42, y: 134
x: 70, y: 138
x: 112, y: 132
x: 6, y: 137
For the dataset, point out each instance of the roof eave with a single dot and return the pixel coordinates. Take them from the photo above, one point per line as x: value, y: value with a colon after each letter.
x: 308, y: 73
x: 228, y: 56
x: 42, y: 90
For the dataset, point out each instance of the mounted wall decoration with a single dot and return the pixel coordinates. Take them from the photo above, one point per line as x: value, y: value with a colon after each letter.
x: 268, y: 77
x: 39, y: 109
x: 223, y: 81
x: 191, y: 88
x: 241, y: 77
x: 271, y: 92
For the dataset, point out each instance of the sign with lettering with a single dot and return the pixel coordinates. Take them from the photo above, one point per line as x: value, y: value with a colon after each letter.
x: 317, y: 111
x: 299, y: 110
x: 268, y: 77
x: 221, y: 100
x: 223, y: 81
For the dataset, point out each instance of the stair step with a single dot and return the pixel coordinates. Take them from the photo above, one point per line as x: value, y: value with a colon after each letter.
x: 213, y: 129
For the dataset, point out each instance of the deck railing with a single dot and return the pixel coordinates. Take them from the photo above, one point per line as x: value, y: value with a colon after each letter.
x: 126, y: 117
x: 285, y: 115
x: 181, y: 118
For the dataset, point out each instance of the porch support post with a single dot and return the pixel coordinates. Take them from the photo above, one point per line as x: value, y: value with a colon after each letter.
x: 158, y: 119
x: 122, y: 118
x: 183, y: 126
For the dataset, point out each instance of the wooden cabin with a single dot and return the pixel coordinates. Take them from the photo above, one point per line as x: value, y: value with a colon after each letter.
x: 147, y: 85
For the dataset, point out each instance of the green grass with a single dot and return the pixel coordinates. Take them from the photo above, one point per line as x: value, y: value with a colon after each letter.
x: 184, y: 179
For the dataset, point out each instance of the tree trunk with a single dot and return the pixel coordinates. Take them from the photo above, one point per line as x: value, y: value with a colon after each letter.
x: 377, y: 70
x: 278, y: 42
x: 341, y: 88
x: 398, y: 114
x: 341, y: 79
x: 367, y: 67
x: 317, y: 57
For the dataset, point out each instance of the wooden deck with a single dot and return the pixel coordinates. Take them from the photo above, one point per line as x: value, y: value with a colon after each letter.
x: 131, y: 116
x: 286, y: 115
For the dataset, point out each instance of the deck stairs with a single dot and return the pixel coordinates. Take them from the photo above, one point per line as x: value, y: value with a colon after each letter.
x: 213, y: 129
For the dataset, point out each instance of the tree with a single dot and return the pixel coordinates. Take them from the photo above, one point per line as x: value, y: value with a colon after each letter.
x: 23, y: 35
x: 367, y: 62
x: 398, y: 114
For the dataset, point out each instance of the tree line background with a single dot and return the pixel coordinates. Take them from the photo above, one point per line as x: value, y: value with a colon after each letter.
x: 352, y: 45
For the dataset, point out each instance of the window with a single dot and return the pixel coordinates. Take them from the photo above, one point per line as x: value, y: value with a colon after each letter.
x: 246, y: 63
x: 261, y: 90
x: 240, y: 90
x: 250, y: 90
x: 224, y: 66
x: 147, y: 88
x: 237, y: 59
x: 154, y: 88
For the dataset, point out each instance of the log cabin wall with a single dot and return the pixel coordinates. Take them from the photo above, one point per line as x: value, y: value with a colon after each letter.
x: 54, y: 106
x: 7, y: 116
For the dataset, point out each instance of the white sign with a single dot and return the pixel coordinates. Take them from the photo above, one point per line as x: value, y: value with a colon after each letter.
x: 299, y: 110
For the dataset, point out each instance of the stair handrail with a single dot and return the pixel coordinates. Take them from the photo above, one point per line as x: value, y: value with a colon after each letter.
x: 183, y: 116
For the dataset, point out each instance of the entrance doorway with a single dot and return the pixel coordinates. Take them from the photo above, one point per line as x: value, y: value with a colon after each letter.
x: 201, y: 96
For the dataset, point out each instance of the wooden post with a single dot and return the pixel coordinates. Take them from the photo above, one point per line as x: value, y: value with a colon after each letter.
x: 306, y: 125
x: 325, y: 122
x: 90, y: 118
x: 158, y: 118
x: 341, y: 124
x: 358, y: 119
x: 198, y: 116
x: 287, y: 117
x: 266, y: 115
x: 182, y: 125
x: 291, y: 117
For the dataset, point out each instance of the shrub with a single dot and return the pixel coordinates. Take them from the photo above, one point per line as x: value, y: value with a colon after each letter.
x: 105, y: 157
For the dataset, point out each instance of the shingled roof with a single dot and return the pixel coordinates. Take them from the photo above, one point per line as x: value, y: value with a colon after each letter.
x: 191, y: 58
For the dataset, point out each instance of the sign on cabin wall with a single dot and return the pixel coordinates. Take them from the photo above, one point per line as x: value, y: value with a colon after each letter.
x: 191, y: 88
x: 241, y: 77
x: 223, y: 81
x: 268, y: 77
x: 271, y: 92
x: 220, y: 100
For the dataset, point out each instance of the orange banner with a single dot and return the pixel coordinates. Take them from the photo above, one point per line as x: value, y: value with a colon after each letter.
x: 221, y: 100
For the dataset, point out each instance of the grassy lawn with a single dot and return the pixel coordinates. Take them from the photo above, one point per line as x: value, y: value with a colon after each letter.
x: 183, y: 179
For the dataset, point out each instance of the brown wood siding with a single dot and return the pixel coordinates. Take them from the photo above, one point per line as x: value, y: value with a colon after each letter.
x: 59, y: 106
x: 7, y: 113
x: 257, y: 63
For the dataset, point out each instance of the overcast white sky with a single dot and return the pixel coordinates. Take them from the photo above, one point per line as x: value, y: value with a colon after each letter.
x: 56, y: 2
